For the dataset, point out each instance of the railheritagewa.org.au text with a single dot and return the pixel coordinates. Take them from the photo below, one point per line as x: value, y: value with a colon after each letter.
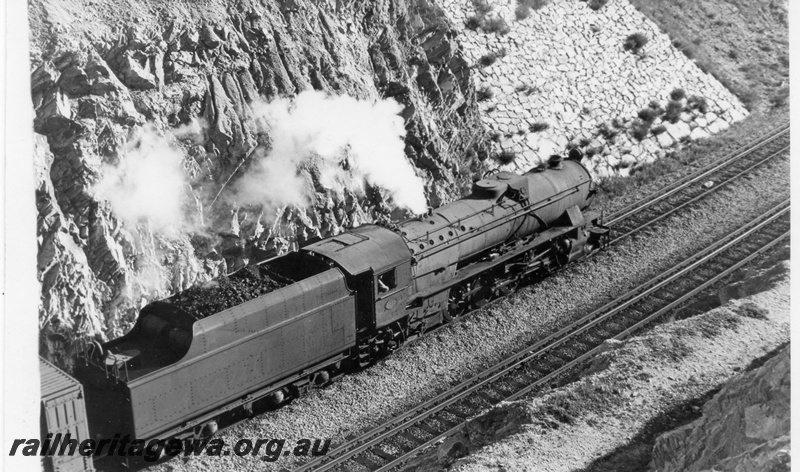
x: 269, y: 450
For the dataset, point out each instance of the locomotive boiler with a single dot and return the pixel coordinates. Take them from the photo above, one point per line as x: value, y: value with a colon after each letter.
x: 188, y: 368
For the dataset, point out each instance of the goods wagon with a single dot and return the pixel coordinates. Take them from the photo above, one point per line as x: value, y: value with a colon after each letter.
x: 63, y: 419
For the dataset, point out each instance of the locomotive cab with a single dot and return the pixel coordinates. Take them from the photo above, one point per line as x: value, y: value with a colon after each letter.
x: 377, y: 264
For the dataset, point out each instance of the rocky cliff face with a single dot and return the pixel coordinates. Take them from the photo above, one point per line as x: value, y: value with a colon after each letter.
x: 107, y: 77
x: 744, y: 427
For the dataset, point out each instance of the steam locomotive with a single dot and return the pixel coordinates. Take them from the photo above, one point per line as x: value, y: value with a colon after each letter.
x: 334, y: 306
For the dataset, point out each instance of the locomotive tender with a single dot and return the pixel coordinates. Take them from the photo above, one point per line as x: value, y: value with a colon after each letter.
x: 341, y: 303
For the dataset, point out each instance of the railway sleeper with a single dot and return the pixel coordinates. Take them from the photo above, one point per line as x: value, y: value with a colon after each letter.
x: 542, y: 368
x: 475, y: 401
x: 524, y: 378
x: 446, y: 422
x: 382, y: 454
x: 563, y: 354
x: 635, y: 313
x: 674, y: 292
x: 666, y: 296
x: 367, y: 462
x: 487, y: 396
x: 409, y: 438
x: 430, y: 429
x: 458, y: 411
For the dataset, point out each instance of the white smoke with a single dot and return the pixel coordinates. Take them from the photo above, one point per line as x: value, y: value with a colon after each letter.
x: 148, y: 184
x: 350, y: 141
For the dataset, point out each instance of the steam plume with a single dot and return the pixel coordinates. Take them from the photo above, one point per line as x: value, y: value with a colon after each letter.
x: 350, y: 141
x: 148, y: 185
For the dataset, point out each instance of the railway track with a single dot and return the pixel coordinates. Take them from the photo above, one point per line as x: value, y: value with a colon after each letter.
x: 406, y: 436
x: 690, y: 189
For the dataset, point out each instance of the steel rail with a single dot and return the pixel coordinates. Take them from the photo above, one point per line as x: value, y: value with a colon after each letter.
x: 370, y: 439
x: 719, y: 186
x: 699, y: 175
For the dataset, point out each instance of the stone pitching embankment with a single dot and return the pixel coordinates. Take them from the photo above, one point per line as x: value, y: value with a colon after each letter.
x: 565, y: 66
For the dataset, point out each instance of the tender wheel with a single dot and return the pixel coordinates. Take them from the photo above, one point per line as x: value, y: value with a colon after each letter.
x: 275, y: 398
x: 322, y: 378
x: 209, y: 429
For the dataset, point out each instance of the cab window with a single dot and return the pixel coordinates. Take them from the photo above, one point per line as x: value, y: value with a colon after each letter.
x: 387, y: 281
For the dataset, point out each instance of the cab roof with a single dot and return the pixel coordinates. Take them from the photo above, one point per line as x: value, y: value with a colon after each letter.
x: 367, y: 247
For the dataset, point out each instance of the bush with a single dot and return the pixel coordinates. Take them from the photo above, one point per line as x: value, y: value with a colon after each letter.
x: 485, y: 92
x: 483, y: 20
x: 697, y: 103
x: 678, y: 94
x: 780, y: 98
x: 522, y: 12
x: 640, y: 129
x: 495, y: 24
x: 506, y: 157
x: 539, y: 126
x: 495, y: 136
x: 487, y: 59
x: 688, y: 49
x: 533, y: 4
x: 527, y: 89
x: 583, y: 142
x: 482, y: 7
x: 748, y: 96
x: 655, y: 105
x: 639, y: 132
x: 524, y: 7
x: 635, y: 42
x: 473, y: 23
x: 597, y: 4
x: 608, y: 132
x: 647, y: 114
x: 673, y: 113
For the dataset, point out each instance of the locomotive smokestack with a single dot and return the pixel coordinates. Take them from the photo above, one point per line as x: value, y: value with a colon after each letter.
x: 555, y: 162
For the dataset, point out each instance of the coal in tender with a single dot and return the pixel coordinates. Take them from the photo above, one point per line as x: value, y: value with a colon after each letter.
x: 224, y: 292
